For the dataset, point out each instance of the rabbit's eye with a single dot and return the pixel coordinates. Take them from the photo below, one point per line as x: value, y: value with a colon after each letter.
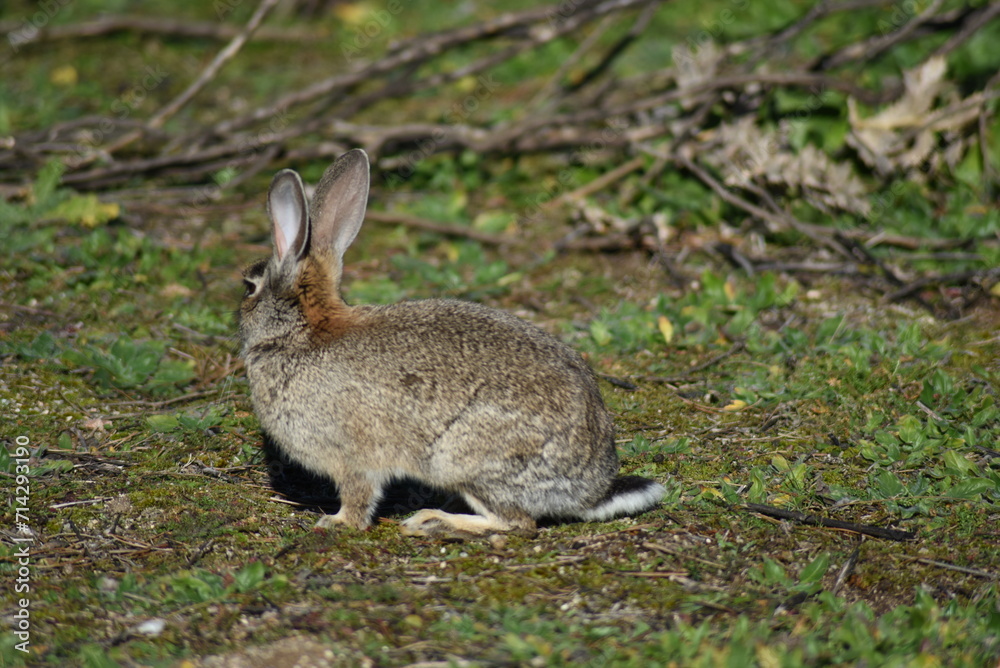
x: 251, y: 287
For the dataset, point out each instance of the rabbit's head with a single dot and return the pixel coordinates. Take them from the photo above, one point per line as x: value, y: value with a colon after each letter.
x: 293, y: 297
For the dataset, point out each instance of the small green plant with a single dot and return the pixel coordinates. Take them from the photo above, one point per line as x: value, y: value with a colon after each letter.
x: 717, y: 310
x: 48, y: 201
x: 201, y: 586
x: 188, y: 421
x: 131, y: 364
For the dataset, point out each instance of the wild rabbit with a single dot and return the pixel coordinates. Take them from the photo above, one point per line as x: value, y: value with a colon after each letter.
x: 464, y: 398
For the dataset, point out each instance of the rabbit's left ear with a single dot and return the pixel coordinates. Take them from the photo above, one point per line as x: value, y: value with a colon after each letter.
x: 338, y: 207
x: 286, y: 205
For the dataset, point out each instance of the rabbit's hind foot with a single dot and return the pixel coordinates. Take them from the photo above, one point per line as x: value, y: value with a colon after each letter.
x: 434, y: 523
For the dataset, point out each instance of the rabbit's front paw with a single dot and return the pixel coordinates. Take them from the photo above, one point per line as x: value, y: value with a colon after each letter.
x: 341, y: 518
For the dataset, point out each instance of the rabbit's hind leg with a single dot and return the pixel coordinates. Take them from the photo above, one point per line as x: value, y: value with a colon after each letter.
x: 439, y: 524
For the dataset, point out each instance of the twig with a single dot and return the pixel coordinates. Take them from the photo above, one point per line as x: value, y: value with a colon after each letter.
x: 685, y: 375
x: 875, y: 46
x: 82, y: 502
x: 151, y: 25
x: 213, y: 68
x: 846, y: 570
x: 443, y: 229
x: 618, y: 47
x: 951, y: 567
x: 778, y: 221
x: 200, y: 552
x: 794, y: 515
x: 422, y: 48
x: 960, y: 277
x: 545, y: 93
x: 922, y: 406
x: 600, y: 183
x: 664, y: 549
x: 164, y: 402
x: 618, y: 382
x: 224, y: 56
x: 974, y: 21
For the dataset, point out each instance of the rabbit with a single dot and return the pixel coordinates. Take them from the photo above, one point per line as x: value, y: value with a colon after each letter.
x: 464, y: 398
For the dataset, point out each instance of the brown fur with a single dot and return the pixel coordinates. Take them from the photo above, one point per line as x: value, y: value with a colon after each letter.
x: 326, y: 314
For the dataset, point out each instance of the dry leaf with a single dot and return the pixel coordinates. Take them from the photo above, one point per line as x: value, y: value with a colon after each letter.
x: 65, y: 75
x: 666, y: 328
x: 905, y: 135
x: 95, y: 424
x: 747, y: 154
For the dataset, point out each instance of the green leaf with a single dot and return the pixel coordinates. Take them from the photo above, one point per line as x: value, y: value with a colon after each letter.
x: 173, y: 372
x: 198, y: 420
x: 47, y: 182
x: 84, y: 210
x: 910, y: 429
x: 249, y: 577
x: 958, y: 464
x: 196, y: 587
x: 970, y: 489
x: 885, y: 438
x: 42, y: 347
x: 774, y: 572
x: 889, y: 485
x: 815, y: 569
x: 600, y: 332
x: 758, y: 489
x: 162, y: 423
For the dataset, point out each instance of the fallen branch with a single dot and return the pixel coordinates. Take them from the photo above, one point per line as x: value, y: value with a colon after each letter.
x: 796, y: 516
x: 957, y: 278
x: 951, y: 567
x: 443, y: 229
x: 144, y: 25
x: 685, y: 375
x: 224, y: 56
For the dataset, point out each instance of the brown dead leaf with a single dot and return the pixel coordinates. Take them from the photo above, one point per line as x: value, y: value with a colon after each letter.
x: 905, y: 136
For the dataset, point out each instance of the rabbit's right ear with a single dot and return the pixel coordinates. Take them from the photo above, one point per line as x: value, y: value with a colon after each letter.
x: 286, y: 205
x: 338, y: 206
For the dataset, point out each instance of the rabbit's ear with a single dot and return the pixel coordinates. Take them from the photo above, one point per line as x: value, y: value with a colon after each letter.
x: 338, y: 207
x: 286, y: 204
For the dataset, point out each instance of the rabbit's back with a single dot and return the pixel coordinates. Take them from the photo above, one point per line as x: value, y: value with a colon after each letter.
x: 450, y: 392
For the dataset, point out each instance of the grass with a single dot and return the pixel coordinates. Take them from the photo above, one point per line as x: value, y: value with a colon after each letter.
x: 157, y: 537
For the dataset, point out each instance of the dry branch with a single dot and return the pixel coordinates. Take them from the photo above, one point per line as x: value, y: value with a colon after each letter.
x: 425, y: 225
x: 102, y: 26
x: 796, y: 516
x: 657, y: 113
